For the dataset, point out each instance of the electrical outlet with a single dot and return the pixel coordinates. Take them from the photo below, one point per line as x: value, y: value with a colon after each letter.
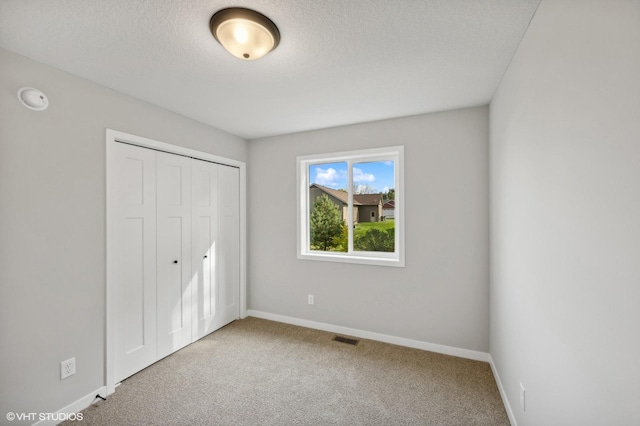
x: 310, y: 299
x: 522, y: 397
x: 67, y: 368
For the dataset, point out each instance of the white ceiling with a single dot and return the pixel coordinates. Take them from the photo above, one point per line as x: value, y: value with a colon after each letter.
x: 338, y: 62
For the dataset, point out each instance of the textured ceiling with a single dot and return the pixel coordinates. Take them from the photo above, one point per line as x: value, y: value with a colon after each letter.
x: 339, y: 61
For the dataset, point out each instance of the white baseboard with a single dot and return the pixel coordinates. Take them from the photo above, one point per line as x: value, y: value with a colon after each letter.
x: 74, y: 407
x: 400, y: 341
x: 503, y: 394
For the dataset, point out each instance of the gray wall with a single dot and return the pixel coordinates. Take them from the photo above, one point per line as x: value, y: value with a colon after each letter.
x: 441, y: 296
x: 565, y: 217
x: 52, y: 226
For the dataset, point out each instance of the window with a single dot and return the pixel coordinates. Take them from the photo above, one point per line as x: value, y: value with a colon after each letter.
x: 340, y: 207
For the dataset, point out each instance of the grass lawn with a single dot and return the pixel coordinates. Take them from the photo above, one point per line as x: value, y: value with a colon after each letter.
x: 363, y: 227
x: 359, y: 232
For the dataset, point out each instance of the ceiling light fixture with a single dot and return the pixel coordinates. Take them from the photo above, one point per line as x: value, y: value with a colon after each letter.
x: 245, y: 33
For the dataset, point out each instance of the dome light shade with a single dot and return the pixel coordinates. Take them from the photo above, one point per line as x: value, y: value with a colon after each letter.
x: 245, y: 33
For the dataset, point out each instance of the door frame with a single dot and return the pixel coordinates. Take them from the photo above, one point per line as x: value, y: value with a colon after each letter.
x: 115, y: 136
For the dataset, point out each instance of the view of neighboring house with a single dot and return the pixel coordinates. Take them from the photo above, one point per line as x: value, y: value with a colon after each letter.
x: 388, y: 209
x: 366, y: 207
x: 370, y: 207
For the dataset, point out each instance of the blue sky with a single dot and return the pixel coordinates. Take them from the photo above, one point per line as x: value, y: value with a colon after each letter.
x: 377, y: 175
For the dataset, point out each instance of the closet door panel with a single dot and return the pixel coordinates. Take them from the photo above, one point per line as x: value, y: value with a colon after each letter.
x: 204, y: 179
x: 229, y: 244
x: 174, y: 252
x: 132, y: 292
x: 206, y: 291
x: 132, y: 254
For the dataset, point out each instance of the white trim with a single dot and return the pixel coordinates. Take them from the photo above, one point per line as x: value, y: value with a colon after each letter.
x: 503, y: 394
x: 400, y: 341
x: 382, y: 260
x: 75, y: 407
x: 243, y: 240
x: 110, y: 298
x: 395, y: 153
x: 113, y: 136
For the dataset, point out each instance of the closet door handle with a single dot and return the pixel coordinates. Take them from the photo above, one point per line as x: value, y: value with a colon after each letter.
x: 175, y: 261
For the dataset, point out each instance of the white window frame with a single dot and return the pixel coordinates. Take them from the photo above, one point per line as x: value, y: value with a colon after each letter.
x: 393, y: 153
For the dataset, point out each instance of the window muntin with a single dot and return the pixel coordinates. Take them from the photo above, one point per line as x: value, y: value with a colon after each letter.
x: 340, y: 202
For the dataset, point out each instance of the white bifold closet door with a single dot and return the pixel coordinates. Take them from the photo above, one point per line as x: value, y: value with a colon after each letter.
x: 228, y: 259
x: 132, y: 251
x: 204, y: 217
x: 176, y: 250
x: 215, y: 244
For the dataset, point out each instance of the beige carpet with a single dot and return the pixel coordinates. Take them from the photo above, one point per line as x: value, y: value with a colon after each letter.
x: 258, y: 372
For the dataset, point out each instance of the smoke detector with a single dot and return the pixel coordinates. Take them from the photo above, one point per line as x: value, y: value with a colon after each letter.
x: 33, y: 99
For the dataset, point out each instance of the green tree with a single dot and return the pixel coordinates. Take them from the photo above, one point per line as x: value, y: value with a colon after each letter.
x: 326, y: 224
x: 341, y: 242
x: 376, y: 240
x: 390, y: 195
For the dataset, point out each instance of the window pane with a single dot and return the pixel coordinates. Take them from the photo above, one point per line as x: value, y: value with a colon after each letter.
x: 373, y: 194
x: 328, y: 207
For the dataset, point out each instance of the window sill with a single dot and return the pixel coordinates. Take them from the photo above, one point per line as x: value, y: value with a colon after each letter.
x: 392, y: 260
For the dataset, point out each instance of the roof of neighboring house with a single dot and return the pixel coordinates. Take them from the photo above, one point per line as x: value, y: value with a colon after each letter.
x: 368, y: 199
x: 340, y: 195
x: 389, y: 205
x: 358, y: 199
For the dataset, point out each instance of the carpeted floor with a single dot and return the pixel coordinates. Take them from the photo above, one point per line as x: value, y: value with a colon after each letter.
x: 259, y: 372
